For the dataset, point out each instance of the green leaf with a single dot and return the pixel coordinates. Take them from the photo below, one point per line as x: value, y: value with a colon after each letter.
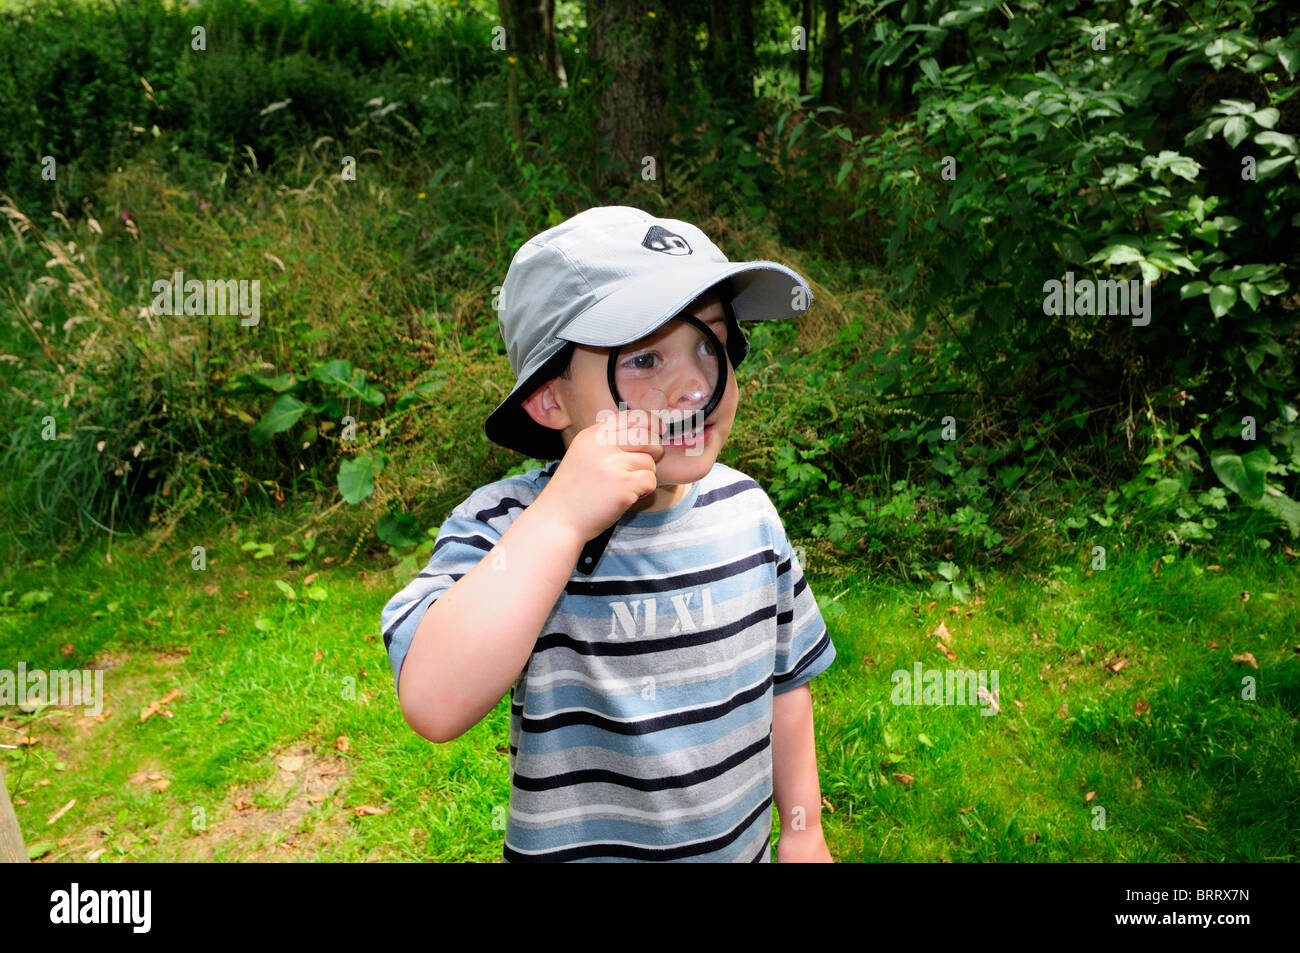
x: 397, y: 530
x: 1266, y: 117
x: 1285, y: 509
x: 845, y: 167
x: 357, y: 478
x: 1235, y: 130
x: 284, y: 413
x: 1243, y: 475
x: 1271, y: 167
x: 1163, y: 493
x: 1249, y: 294
x: 285, y: 588
x: 1222, y: 298
x: 1193, y: 288
x: 39, y: 849
x: 931, y: 70
x: 347, y: 381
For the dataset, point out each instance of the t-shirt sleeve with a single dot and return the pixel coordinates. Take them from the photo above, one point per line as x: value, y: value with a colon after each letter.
x: 462, y: 541
x: 803, y: 647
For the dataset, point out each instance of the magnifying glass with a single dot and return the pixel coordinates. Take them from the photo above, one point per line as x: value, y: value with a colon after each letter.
x: 677, y: 379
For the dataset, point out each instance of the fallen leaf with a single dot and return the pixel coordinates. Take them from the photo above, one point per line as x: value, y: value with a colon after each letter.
x: 291, y: 763
x: 933, y: 604
x: 66, y: 648
x: 941, y: 633
x: 1290, y: 552
x: 1141, y: 707
x: 1246, y: 658
x: 1214, y: 645
x: 1035, y: 635
x: 966, y: 810
x: 341, y: 743
x: 1019, y: 703
x: 43, y: 782
x: 1245, y: 596
x: 150, y: 622
x: 1215, y: 568
x: 1196, y: 821
x: 212, y: 590
x: 242, y: 595
x: 96, y: 854
x: 221, y: 631
x: 363, y: 810
x: 224, y: 715
x: 1089, y: 797
x: 1118, y: 664
x: 318, y: 656
x: 952, y: 656
x: 162, y: 785
x: 1062, y: 711
x: 311, y: 577
x: 60, y: 812
x: 988, y: 699
x: 903, y: 778
x: 317, y: 798
x: 829, y: 806
x: 156, y: 776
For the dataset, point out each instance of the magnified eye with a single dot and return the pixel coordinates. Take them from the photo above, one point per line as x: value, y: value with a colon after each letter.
x: 645, y: 361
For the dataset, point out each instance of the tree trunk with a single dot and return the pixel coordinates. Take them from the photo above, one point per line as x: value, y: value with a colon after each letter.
x: 857, y: 39
x: 631, y: 101
x: 530, y: 39
x: 832, y: 84
x: 12, y: 850
x: 805, y: 21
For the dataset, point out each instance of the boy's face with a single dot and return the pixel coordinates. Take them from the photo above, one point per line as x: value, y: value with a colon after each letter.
x: 575, y: 404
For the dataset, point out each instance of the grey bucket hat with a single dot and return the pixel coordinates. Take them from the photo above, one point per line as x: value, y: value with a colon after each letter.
x: 609, y: 276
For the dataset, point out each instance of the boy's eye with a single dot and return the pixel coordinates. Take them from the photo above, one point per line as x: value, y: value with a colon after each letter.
x: 644, y: 361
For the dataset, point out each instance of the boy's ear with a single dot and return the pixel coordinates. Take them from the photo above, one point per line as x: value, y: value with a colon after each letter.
x: 545, y: 409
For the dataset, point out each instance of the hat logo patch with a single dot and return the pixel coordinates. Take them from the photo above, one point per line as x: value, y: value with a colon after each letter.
x: 659, y: 238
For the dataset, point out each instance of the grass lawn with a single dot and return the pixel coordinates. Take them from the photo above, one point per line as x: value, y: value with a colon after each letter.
x: 278, y: 734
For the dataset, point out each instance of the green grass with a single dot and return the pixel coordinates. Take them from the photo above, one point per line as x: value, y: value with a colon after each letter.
x: 1204, y: 776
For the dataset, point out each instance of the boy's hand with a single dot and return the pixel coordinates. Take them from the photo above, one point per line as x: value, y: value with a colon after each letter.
x: 599, y: 477
x: 803, y: 847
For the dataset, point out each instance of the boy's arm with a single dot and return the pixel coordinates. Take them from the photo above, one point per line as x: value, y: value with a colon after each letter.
x: 474, y: 639
x: 795, y: 784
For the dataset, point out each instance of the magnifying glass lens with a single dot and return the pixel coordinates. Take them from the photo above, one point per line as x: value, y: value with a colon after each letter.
x: 674, y: 377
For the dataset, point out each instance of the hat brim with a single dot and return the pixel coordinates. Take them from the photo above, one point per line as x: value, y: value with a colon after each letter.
x: 761, y: 291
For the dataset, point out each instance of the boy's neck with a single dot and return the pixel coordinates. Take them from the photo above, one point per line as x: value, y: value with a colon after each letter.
x: 662, y: 498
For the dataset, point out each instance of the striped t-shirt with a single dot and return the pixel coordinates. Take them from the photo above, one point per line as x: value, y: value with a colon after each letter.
x: 641, y: 725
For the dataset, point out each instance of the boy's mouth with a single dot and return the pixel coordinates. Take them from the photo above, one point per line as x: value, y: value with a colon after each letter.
x: 695, y: 438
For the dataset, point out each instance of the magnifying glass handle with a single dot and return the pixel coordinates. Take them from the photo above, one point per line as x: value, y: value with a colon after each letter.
x: 594, y: 549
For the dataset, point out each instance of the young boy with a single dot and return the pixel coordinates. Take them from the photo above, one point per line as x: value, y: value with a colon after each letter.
x: 659, y: 696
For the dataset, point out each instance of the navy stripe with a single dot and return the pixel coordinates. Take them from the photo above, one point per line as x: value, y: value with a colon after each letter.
x: 562, y: 640
x: 813, y: 654
x: 603, y: 776
x: 681, y: 580
x: 646, y: 726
